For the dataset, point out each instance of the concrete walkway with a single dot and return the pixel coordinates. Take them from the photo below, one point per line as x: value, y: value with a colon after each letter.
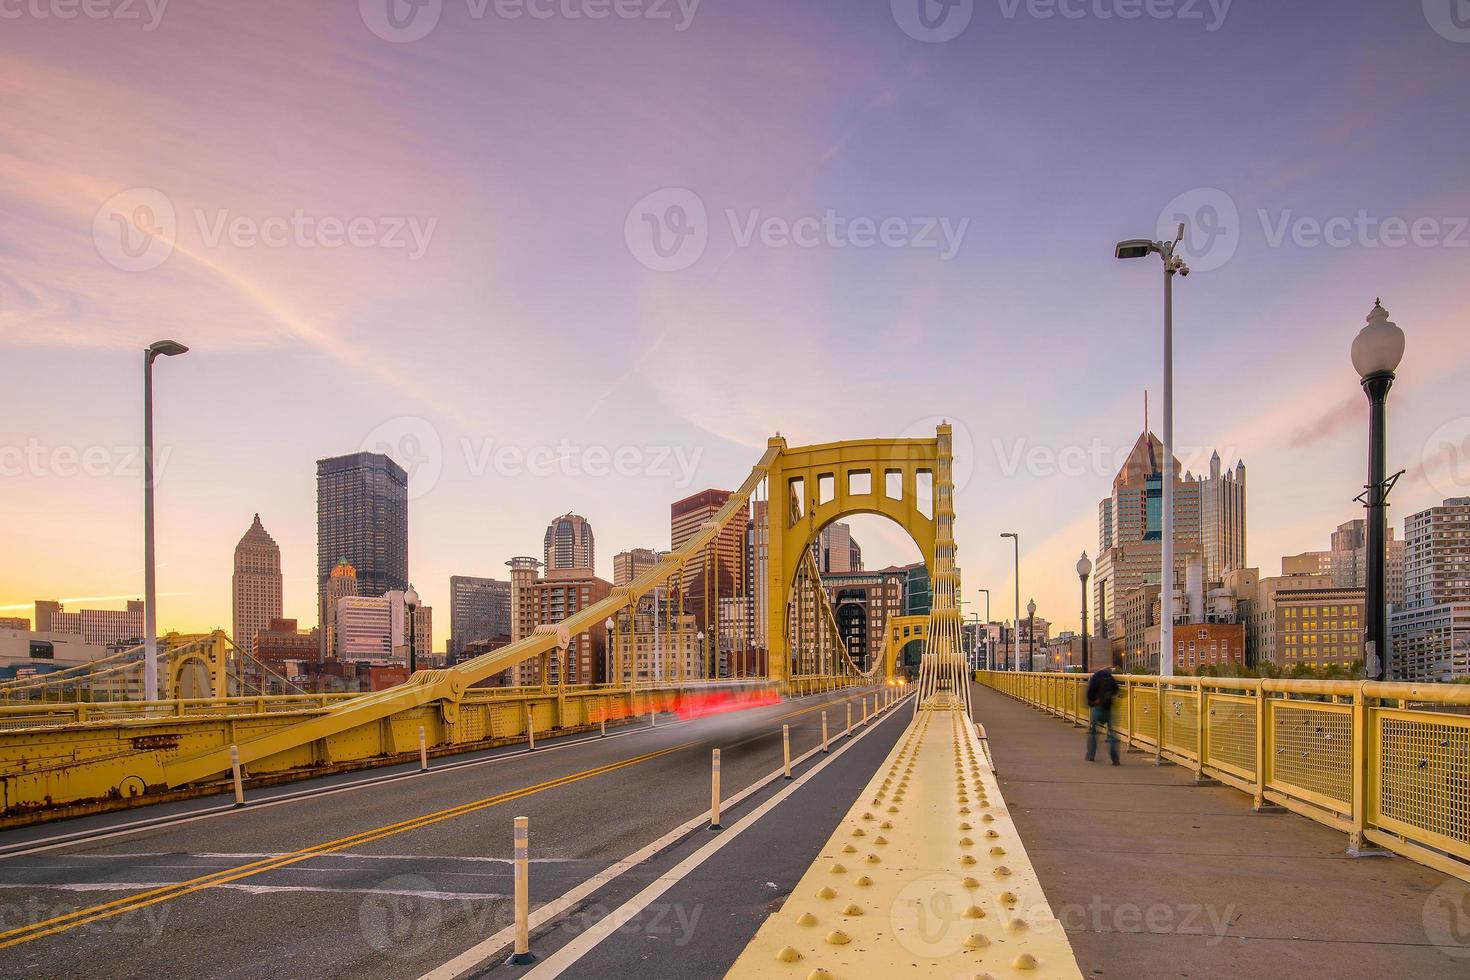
x: 1153, y: 876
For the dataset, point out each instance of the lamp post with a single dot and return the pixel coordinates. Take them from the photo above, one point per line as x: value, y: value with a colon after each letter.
x: 1030, y: 634
x: 1084, y: 569
x: 411, y: 600
x: 161, y: 348
x: 705, y: 660
x: 1016, y: 540
x: 1137, y: 248
x: 611, y: 652
x: 1377, y: 350
x: 989, y: 654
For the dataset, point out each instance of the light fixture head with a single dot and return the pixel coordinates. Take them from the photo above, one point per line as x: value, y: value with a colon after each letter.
x: 411, y: 599
x: 1084, y: 566
x: 166, y: 348
x: 1379, y: 347
x: 1134, y: 248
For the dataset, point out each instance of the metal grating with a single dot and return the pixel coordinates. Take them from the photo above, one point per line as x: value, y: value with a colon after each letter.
x: 1313, y: 750
x: 1181, y: 718
x: 1423, y: 776
x: 1230, y: 733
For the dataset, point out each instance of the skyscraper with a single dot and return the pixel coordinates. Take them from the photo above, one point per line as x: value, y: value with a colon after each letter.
x: 569, y: 543
x: 1431, y: 630
x: 340, y: 584
x: 718, y: 570
x: 479, y: 609
x: 628, y: 565
x: 1347, y: 561
x: 837, y: 550
x: 1209, y: 528
x: 256, y: 585
x: 361, y: 518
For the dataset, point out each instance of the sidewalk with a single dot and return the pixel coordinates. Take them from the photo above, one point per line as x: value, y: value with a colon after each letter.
x: 1153, y: 876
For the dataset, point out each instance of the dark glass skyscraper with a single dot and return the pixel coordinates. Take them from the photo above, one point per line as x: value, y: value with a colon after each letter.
x: 479, y: 609
x: 361, y: 518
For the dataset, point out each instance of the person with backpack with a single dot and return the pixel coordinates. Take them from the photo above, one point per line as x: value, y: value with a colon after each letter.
x: 1102, y: 688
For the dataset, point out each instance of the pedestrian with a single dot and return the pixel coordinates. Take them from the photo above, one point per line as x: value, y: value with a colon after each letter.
x: 1102, y: 688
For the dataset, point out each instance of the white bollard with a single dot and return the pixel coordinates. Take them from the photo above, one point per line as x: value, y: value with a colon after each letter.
x: 530, y: 730
x: 714, y: 792
x: 423, y: 750
x: 522, y: 954
x: 824, y: 733
x: 235, y: 772
x: 786, y: 750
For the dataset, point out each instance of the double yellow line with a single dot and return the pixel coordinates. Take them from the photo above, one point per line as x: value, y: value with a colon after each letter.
x: 141, y: 900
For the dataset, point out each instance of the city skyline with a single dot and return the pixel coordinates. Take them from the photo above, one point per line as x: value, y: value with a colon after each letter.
x: 690, y: 371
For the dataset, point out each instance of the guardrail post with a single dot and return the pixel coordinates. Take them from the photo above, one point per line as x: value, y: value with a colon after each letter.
x: 825, y: 749
x: 714, y: 792
x: 423, y: 750
x: 786, y: 751
x: 1263, y: 752
x: 1201, y: 736
x: 235, y: 775
x: 1364, y: 788
x: 522, y: 954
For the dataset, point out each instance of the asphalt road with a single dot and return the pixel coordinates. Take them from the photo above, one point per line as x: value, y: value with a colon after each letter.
x: 367, y: 876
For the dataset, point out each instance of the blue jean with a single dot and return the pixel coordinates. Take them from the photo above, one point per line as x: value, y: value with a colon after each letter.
x: 1101, y: 716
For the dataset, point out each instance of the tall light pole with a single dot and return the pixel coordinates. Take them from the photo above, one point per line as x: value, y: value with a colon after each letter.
x: 989, y: 653
x: 1137, y: 248
x: 1377, y: 350
x: 161, y: 348
x: 1016, y: 540
x: 411, y: 600
x: 1084, y: 569
x: 1030, y: 634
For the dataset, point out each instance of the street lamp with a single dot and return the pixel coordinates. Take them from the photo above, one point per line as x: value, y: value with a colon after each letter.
x: 1016, y: 540
x: 1030, y: 634
x: 411, y: 600
x: 1084, y: 569
x: 161, y: 348
x: 1137, y: 248
x: 1377, y: 350
x: 704, y: 659
x: 989, y: 653
x: 611, y: 643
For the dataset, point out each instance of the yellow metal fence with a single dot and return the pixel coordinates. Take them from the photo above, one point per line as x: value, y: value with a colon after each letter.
x: 1386, y: 763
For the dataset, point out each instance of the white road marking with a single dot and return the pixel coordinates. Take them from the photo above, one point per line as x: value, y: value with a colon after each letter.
x: 477, y: 955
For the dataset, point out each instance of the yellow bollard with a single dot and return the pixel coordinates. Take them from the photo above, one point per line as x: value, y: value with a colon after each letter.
x: 714, y: 792
x: 849, y: 719
x: 423, y: 750
x: 235, y: 772
x: 824, y: 732
x: 530, y: 730
x: 786, y: 750
x: 522, y: 954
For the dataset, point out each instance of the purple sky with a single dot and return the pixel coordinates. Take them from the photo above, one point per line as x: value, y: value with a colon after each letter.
x: 471, y: 265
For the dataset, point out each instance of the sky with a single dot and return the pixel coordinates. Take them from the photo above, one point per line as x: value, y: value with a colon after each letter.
x: 589, y: 255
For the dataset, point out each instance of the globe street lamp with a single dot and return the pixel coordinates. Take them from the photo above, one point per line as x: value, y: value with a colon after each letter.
x: 1377, y: 350
x: 1084, y: 569
x: 161, y: 348
x: 1016, y: 540
x: 411, y: 600
x: 1138, y: 248
x: 611, y: 643
x: 1030, y: 634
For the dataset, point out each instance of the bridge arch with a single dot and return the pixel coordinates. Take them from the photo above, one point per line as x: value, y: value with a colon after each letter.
x: 810, y: 487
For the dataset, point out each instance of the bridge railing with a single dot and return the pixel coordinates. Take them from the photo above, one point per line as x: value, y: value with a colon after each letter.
x: 1386, y: 763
